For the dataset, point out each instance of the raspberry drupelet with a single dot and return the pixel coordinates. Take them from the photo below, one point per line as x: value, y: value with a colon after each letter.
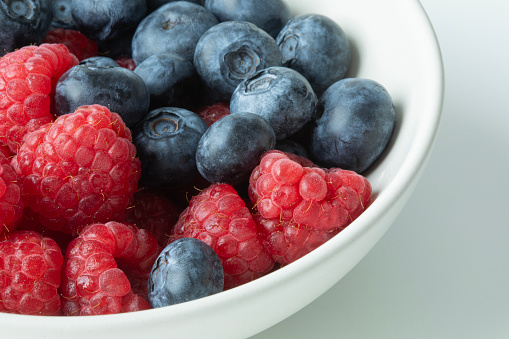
x: 218, y: 216
x: 102, y: 267
x: 76, y: 42
x: 79, y: 170
x: 300, y: 206
x: 11, y: 203
x: 27, y: 81
x: 30, y: 267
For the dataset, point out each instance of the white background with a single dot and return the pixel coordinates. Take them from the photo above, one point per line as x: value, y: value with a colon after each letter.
x: 442, y: 269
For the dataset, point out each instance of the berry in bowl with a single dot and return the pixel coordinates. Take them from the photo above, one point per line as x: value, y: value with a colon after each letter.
x: 321, y: 133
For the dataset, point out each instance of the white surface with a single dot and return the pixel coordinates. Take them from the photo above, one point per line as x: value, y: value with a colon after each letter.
x: 442, y: 269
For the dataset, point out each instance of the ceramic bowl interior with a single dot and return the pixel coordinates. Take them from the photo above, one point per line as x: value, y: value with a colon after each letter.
x: 393, y: 43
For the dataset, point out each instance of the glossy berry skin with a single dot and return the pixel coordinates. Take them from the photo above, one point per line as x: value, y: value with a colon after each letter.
x: 30, y: 267
x: 219, y: 217
x: 107, y: 19
x: 231, y: 148
x: 118, y: 88
x: 171, y: 80
x: 24, y: 23
x: 101, y: 268
x: 231, y: 52
x: 269, y: 15
x: 187, y: 269
x: 11, y: 202
x: 166, y: 142
x: 355, y: 120
x: 78, y: 170
x: 27, y: 83
x: 317, y: 47
x: 174, y: 27
x: 280, y: 95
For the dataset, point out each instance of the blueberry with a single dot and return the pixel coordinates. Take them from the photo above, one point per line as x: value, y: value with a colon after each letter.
x: 152, y: 5
x: 231, y: 52
x: 62, y: 15
x: 291, y: 146
x: 269, y: 15
x: 171, y: 81
x: 107, y: 19
x: 355, y: 120
x: 187, y: 269
x: 166, y: 142
x: 280, y: 95
x: 317, y: 47
x: 232, y: 147
x: 99, y: 61
x: 119, y: 89
x: 173, y: 28
x: 117, y: 47
x: 24, y: 22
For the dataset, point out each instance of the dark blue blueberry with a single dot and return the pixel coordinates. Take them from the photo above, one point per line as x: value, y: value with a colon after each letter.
x: 231, y: 52
x: 173, y: 28
x: 99, y: 61
x: 62, y: 16
x: 269, y: 15
x: 291, y: 146
x: 119, y: 89
x: 187, y: 269
x: 280, y: 95
x: 107, y: 19
x: 354, y: 122
x: 232, y: 147
x: 166, y: 142
x: 316, y: 47
x: 152, y: 5
x: 171, y: 81
x: 117, y: 47
x: 23, y: 22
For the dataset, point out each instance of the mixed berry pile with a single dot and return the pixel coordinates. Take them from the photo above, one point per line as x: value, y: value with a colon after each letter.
x: 156, y: 152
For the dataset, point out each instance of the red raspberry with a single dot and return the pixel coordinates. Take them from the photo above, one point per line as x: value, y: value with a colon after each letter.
x: 28, y: 78
x: 126, y: 63
x: 153, y: 212
x: 77, y: 43
x: 219, y: 217
x: 11, y: 204
x: 100, y: 266
x: 213, y: 113
x: 79, y: 170
x: 5, y: 150
x: 301, y: 207
x: 30, y: 267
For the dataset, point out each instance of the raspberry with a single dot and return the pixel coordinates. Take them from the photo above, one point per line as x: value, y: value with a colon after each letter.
x: 213, y: 113
x: 30, y: 267
x: 218, y: 216
x: 79, y: 170
x: 77, y: 43
x: 101, y: 266
x: 126, y: 63
x: 11, y: 204
x: 27, y: 80
x: 301, y: 207
x: 153, y: 212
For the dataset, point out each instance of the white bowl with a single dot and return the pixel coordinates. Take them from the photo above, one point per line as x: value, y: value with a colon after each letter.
x: 393, y: 43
